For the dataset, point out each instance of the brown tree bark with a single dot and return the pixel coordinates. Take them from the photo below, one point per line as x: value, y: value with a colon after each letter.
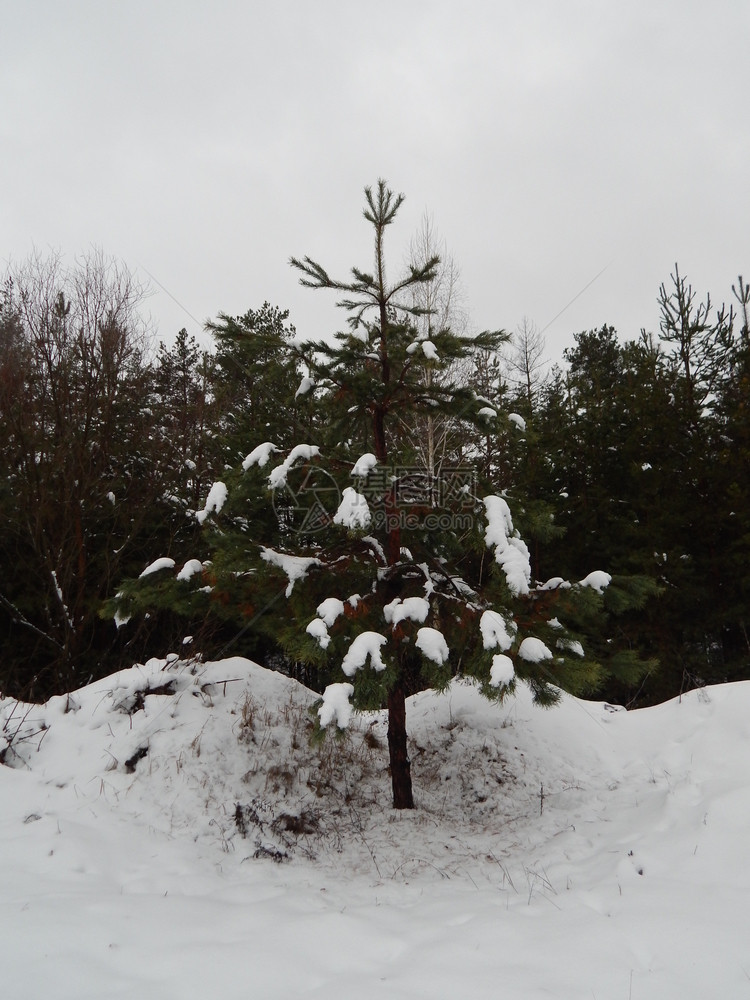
x: 399, y: 756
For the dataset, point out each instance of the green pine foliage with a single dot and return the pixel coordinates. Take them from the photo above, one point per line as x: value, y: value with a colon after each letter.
x: 254, y: 376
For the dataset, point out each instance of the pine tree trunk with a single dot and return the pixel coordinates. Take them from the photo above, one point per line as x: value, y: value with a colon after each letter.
x: 399, y: 757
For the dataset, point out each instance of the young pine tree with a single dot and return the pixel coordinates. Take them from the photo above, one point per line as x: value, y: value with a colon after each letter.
x: 354, y: 557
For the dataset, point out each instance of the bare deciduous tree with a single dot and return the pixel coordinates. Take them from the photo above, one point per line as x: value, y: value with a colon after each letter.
x: 72, y: 428
x: 526, y: 363
x: 436, y: 440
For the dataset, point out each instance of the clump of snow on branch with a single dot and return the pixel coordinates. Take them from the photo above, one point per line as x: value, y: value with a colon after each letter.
x: 259, y: 456
x: 330, y: 609
x: 353, y: 511
x: 366, y: 646
x: 598, y: 581
x: 61, y: 598
x: 571, y: 645
x: 303, y: 452
x: 318, y: 629
x: 496, y: 632
x: 555, y: 583
x: 217, y: 497
x: 190, y: 569
x: 511, y: 552
x: 304, y: 387
x: 533, y: 650
x: 414, y: 608
x: 517, y: 419
x: 364, y: 465
x: 336, y: 706
x: 295, y: 567
x: 376, y: 547
x: 502, y: 671
x: 427, y: 347
x: 487, y: 411
x: 119, y: 618
x: 429, y: 585
x: 158, y: 564
x: 431, y: 643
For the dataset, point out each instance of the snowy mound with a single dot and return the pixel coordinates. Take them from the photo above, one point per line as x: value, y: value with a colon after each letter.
x: 580, y: 851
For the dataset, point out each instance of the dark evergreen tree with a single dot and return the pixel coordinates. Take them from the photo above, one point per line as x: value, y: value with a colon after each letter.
x: 732, y: 510
x: 632, y: 437
x: 700, y: 348
x: 184, y: 415
x: 701, y: 345
x: 255, y: 376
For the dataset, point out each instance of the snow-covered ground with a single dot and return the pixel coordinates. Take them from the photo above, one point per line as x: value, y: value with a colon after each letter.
x: 189, y: 842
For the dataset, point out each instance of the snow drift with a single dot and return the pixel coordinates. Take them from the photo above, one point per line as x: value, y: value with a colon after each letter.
x: 579, y: 851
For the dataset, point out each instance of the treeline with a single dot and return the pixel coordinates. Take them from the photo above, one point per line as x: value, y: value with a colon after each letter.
x: 108, y: 447
x: 641, y: 451
x: 631, y: 458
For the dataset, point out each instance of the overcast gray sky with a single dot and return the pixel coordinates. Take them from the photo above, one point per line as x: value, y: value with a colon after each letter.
x: 205, y: 143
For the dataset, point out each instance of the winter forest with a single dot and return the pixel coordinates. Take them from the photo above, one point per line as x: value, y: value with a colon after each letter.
x: 438, y: 637
x: 629, y: 458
